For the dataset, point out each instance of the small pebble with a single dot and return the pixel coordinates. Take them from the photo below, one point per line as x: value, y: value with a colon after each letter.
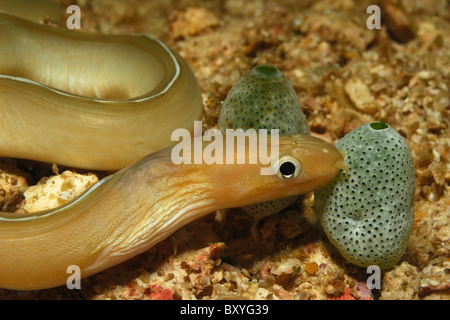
x: 360, y: 96
x: 311, y: 268
x: 399, y: 25
x: 330, y: 289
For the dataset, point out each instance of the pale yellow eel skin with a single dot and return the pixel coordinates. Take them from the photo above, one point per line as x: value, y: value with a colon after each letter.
x: 89, y: 101
x: 143, y: 204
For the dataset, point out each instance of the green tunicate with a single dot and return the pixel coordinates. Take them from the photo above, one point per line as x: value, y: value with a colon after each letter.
x: 264, y: 99
x: 367, y: 212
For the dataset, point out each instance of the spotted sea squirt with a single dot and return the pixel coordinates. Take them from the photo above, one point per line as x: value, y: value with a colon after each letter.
x: 367, y: 212
x: 264, y: 99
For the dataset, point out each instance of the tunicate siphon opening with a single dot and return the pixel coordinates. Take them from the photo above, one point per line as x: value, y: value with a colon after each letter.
x: 379, y: 125
x: 267, y: 70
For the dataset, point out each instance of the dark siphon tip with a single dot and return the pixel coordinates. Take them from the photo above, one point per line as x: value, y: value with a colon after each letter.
x: 267, y: 70
x: 379, y: 125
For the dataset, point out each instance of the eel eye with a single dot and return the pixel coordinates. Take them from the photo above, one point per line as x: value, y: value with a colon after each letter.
x: 288, y: 168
